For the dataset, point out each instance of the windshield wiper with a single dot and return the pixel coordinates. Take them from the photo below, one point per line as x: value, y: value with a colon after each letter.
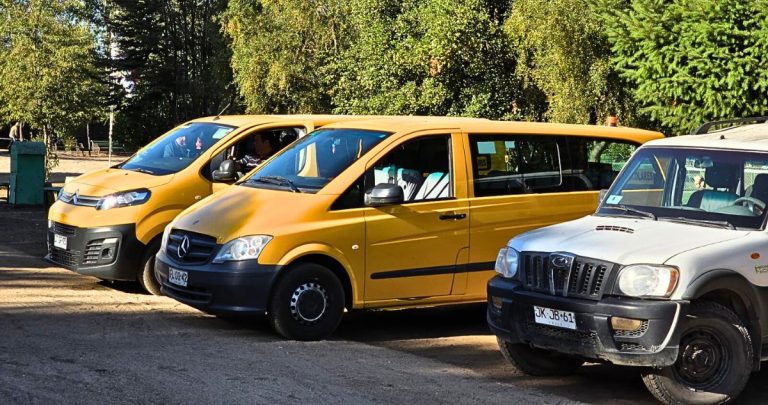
x: 140, y: 170
x: 704, y: 222
x: 634, y: 211
x: 278, y: 180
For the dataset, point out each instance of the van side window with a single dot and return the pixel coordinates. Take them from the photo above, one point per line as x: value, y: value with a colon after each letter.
x: 512, y: 164
x: 422, y: 167
x: 598, y: 161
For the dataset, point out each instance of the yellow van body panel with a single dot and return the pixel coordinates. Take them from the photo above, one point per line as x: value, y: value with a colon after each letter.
x: 417, y: 253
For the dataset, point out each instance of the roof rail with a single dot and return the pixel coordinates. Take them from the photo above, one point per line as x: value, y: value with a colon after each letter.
x: 704, y: 128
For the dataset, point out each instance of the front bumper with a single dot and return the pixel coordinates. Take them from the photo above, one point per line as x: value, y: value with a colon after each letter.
x: 221, y: 288
x: 654, y: 345
x: 109, y: 252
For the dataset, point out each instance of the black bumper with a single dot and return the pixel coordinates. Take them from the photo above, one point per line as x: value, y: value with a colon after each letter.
x: 109, y: 253
x: 221, y: 288
x: 654, y: 345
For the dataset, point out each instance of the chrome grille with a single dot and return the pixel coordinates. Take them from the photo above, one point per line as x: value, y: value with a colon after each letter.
x: 579, y: 278
x: 200, y: 246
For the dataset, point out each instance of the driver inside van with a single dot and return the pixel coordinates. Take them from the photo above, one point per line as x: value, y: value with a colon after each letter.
x: 262, y: 148
x: 177, y: 148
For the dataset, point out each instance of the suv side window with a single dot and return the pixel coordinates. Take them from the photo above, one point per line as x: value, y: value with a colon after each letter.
x: 422, y: 167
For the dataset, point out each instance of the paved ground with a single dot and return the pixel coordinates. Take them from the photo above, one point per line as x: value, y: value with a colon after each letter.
x: 67, y: 338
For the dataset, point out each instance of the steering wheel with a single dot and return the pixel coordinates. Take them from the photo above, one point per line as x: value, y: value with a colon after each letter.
x: 751, y: 203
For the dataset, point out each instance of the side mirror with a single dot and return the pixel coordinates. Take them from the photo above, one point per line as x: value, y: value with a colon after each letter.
x: 384, y: 194
x: 227, y: 172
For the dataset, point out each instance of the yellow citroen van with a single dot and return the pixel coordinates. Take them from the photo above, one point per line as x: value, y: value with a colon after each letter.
x: 385, y: 213
x: 107, y: 223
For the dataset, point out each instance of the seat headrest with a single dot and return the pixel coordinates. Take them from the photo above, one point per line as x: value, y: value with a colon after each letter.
x: 721, y: 176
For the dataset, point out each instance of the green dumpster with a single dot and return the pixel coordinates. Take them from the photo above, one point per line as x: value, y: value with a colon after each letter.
x: 27, y: 173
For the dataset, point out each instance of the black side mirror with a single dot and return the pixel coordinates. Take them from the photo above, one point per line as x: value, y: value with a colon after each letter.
x: 227, y: 172
x: 384, y: 194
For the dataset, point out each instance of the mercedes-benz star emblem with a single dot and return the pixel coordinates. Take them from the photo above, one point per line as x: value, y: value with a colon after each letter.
x: 183, y: 248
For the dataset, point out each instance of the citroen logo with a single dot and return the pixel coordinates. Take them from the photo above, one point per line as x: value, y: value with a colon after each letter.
x: 183, y: 248
x: 74, y: 197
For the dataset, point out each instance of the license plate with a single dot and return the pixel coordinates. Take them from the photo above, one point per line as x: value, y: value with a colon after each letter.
x: 60, y: 241
x: 178, y: 277
x: 554, y: 317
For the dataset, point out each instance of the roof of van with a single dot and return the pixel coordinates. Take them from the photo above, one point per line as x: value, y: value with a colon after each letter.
x: 251, y: 120
x: 747, y: 137
x: 477, y: 125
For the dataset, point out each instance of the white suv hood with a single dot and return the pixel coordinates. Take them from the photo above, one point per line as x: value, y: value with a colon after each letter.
x: 622, y: 240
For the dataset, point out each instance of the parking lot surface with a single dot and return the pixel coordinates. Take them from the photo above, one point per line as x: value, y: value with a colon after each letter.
x: 67, y: 338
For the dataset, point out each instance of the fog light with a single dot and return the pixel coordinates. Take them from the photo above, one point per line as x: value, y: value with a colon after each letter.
x: 496, y: 302
x: 618, y: 323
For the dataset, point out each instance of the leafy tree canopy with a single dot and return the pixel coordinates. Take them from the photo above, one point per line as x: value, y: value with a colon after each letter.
x: 691, y: 61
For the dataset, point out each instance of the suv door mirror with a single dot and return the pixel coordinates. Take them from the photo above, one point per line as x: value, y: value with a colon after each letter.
x: 227, y: 172
x: 384, y: 194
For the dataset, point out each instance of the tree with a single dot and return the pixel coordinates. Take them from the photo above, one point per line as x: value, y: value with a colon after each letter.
x: 279, y: 49
x: 441, y: 57
x: 48, y: 74
x: 691, y: 61
x: 174, y: 52
x: 564, y: 53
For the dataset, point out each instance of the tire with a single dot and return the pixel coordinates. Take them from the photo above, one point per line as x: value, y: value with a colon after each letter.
x: 307, y: 303
x: 711, y: 334
x: 147, y: 277
x: 538, y: 362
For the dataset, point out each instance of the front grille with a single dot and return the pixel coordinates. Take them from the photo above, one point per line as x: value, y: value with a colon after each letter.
x: 189, y: 293
x: 64, y: 258
x: 64, y: 230
x: 583, y: 338
x: 633, y: 347
x: 92, y: 251
x: 199, y: 250
x: 84, y: 201
x: 572, y: 277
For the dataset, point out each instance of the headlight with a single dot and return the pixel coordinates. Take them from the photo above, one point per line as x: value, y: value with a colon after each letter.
x: 123, y: 199
x: 242, y: 248
x: 64, y: 196
x: 506, y: 262
x: 164, y: 239
x: 647, y: 280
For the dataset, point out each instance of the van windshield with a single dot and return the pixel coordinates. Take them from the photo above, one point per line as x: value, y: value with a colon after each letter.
x: 177, y: 149
x: 716, y: 188
x: 308, y: 164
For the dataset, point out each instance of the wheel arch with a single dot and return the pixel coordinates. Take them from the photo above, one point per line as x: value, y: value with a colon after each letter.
x: 734, y: 291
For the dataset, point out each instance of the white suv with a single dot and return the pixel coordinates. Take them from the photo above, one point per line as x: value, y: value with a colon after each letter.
x: 670, y: 273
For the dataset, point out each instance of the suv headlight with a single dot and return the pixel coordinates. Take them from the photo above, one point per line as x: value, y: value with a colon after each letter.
x: 123, y: 199
x: 648, y: 280
x: 506, y: 262
x: 242, y: 248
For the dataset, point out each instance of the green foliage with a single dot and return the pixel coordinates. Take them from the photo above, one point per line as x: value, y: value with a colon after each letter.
x: 278, y: 49
x: 691, y: 61
x: 48, y: 75
x: 439, y: 57
x: 178, y: 58
x: 564, y: 53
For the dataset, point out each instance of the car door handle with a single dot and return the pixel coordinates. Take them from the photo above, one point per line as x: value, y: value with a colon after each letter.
x: 448, y: 217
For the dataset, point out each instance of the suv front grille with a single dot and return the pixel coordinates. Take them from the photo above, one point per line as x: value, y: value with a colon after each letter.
x: 573, y: 277
x: 199, y: 249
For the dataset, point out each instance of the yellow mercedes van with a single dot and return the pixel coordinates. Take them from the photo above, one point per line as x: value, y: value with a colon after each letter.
x: 384, y: 213
x: 107, y: 223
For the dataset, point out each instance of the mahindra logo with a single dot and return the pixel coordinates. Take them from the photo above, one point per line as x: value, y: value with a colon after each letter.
x: 559, y: 272
x: 183, y: 248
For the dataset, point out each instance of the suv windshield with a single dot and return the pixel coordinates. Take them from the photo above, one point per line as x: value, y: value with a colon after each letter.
x: 720, y: 188
x: 177, y: 149
x: 310, y: 163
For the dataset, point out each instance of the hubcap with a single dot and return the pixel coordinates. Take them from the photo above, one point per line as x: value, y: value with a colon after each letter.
x: 309, y: 303
x: 703, y: 361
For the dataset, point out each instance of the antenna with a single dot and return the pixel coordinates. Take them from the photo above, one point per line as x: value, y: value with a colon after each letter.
x: 222, y: 111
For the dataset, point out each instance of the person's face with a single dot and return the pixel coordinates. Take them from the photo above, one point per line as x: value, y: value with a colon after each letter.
x: 182, y: 141
x: 261, y: 146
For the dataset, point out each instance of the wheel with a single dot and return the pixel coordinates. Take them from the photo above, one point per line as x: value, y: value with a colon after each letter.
x: 538, y: 362
x: 714, y: 361
x: 307, y: 303
x: 147, y: 277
